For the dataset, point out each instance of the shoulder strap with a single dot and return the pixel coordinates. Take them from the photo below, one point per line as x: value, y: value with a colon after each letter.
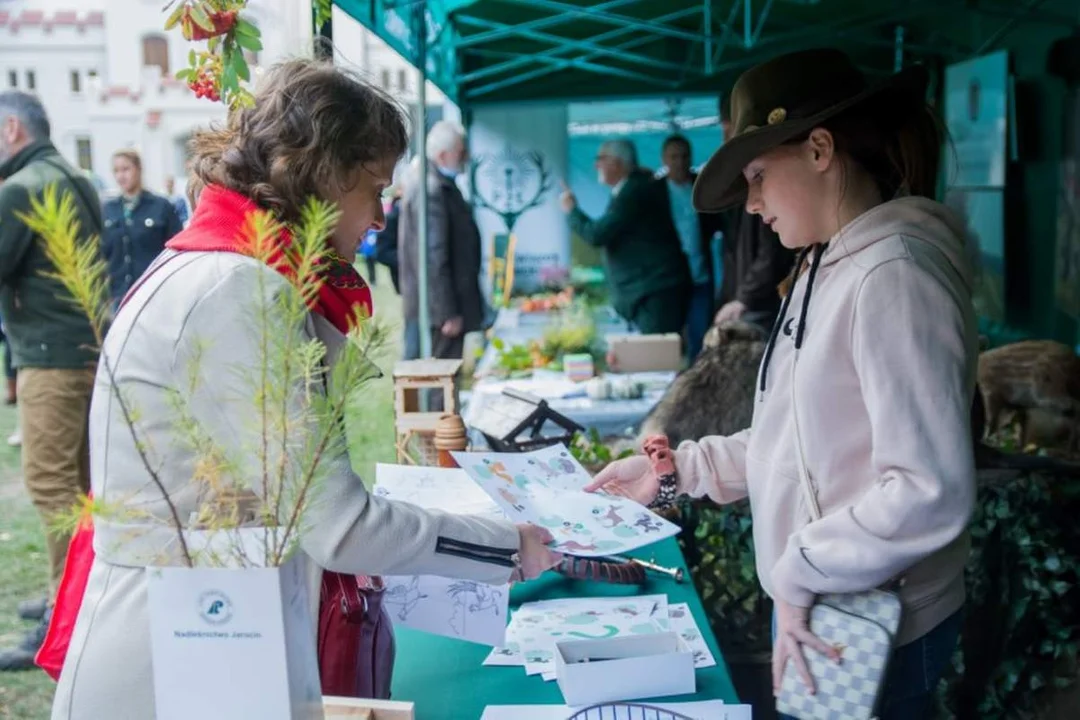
x: 800, y: 457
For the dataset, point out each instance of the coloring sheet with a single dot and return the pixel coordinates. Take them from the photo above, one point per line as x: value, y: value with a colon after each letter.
x: 682, y: 621
x: 462, y: 609
x: 535, y: 627
x: 432, y: 487
x: 543, y: 487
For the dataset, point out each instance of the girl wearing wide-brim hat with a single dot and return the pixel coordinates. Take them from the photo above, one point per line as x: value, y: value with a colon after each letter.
x: 879, y: 314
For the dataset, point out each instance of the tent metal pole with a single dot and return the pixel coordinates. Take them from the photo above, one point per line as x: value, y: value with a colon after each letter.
x: 424, y: 320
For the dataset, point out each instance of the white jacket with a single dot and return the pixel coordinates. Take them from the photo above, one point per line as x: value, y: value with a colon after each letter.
x: 883, y: 390
x: 200, y: 304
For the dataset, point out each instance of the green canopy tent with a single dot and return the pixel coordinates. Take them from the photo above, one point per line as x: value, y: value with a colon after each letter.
x: 498, y: 51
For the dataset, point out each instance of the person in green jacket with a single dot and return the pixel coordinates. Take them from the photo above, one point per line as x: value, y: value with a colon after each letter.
x: 648, y: 274
x: 50, y: 338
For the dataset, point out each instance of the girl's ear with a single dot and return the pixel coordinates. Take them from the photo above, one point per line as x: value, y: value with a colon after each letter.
x: 821, y: 147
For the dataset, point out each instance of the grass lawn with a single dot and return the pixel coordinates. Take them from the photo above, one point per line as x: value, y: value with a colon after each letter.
x: 23, y: 564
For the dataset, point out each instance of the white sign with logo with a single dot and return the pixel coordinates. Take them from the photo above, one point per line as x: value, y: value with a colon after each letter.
x: 519, y: 156
x: 233, y: 643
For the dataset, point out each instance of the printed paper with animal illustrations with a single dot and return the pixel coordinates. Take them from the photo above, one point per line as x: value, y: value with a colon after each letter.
x: 544, y: 487
x: 462, y: 609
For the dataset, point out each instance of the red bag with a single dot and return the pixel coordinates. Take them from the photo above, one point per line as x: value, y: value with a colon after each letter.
x: 69, y: 596
x: 356, y: 639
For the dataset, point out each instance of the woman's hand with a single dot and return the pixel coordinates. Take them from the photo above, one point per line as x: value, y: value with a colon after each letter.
x: 792, y: 632
x: 631, y: 477
x: 536, y: 556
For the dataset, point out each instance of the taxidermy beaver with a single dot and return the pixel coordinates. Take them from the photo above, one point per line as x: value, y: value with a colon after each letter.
x: 715, y: 395
x: 1038, y: 383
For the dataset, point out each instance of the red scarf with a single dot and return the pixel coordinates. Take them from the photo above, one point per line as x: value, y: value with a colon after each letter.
x: 220, y: 224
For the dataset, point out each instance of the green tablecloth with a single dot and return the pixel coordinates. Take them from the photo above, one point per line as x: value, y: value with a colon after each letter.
x: 446, y: 680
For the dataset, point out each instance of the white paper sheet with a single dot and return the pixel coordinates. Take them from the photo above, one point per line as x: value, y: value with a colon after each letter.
x: 682, y: 621
x: 702, y: 710
x: 462, y: 609
x: 543, y: 487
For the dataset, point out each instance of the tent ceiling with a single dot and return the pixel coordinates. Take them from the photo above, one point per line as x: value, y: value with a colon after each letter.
x: 484, y: 51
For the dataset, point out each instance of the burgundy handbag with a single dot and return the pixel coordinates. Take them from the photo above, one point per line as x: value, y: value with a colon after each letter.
x: 356, y: 638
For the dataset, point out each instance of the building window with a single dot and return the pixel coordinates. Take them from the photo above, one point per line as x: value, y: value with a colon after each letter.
x: 13, y: 79
x: 385, y: 79
x: 84, y: 153
x: 155, y: 51
x: 31, y: 80
x: 402, y: 80
x: 76, y: 82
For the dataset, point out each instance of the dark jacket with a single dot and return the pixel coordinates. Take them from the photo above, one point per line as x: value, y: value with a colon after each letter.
x: 43, y: 326
x: 130, y: 244
x: 755, y: 263
x: 709, y: 223
x: 641, y: 248
x: 386, y: 245
x: 453, y: 254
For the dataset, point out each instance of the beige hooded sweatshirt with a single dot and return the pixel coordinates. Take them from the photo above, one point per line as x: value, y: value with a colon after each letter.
x: 883, y: 389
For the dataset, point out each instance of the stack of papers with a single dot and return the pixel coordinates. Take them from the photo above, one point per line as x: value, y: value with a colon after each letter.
x: 535, y: 627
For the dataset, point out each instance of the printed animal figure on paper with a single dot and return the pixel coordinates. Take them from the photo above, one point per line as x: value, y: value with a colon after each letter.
x: 509, y: 650
x: 470, y: 598
x: 546, y: 469
x: 648, y: 523
x: 596, y: 546
x: 488, y: 469
x: 404, y: 597
x: 700, y: 657
x: 608, y: 519
x: 512, y: 499
x: 563, y: 465
x: 566, y: 527
x: 689, y: 635
x: 624, y: 531
x: 539, y: 657
x: 676, y: 612
x: 606, y: 632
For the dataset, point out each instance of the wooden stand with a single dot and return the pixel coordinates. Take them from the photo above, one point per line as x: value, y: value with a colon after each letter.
x: 414, y: 426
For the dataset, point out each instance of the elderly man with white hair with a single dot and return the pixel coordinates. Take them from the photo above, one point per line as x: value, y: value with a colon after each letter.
x: 455, y: 303
x: 647, y: 270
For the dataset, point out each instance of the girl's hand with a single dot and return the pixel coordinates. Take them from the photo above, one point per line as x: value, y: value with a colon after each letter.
x: 631, y: 477
x: 536, y: 556
x: 792, y: 632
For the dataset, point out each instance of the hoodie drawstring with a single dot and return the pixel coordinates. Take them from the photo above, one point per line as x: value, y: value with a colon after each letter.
x: 819, y: 250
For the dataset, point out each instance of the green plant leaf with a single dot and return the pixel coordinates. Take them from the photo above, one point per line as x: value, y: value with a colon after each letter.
x: 239, y: 66
x: 192, y: 57
x: 200, y: 18
x: 246, y: 28
x: 174, y: 17
x: 249, y: 42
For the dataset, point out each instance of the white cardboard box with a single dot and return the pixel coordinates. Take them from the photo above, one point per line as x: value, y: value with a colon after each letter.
x: 624, y: 668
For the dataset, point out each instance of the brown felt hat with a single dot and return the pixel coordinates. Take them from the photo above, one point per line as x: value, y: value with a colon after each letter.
x: 789, y: 96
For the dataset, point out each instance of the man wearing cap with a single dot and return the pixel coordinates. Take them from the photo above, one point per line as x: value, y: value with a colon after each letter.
x: 647, y: 271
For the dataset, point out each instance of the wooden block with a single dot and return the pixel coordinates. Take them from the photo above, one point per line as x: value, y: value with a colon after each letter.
x: 342, y: 708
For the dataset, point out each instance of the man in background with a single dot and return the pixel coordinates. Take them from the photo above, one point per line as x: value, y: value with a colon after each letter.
x: 455, y: 303
x: 754, y: 261
x: 179, y: 202
x: 647, y: 272
x: 695, y: 231
x: 50, y: 338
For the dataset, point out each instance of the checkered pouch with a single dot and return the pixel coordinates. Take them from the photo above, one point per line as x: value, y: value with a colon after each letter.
x: 863, y: 624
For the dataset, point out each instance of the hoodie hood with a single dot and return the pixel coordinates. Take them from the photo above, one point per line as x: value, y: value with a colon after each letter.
x: 913, y: 217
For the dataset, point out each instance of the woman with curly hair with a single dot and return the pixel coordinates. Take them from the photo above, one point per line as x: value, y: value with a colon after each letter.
x: 314, y: 130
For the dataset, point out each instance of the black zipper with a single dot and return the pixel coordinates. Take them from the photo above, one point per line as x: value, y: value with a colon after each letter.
x: 472, y: 551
